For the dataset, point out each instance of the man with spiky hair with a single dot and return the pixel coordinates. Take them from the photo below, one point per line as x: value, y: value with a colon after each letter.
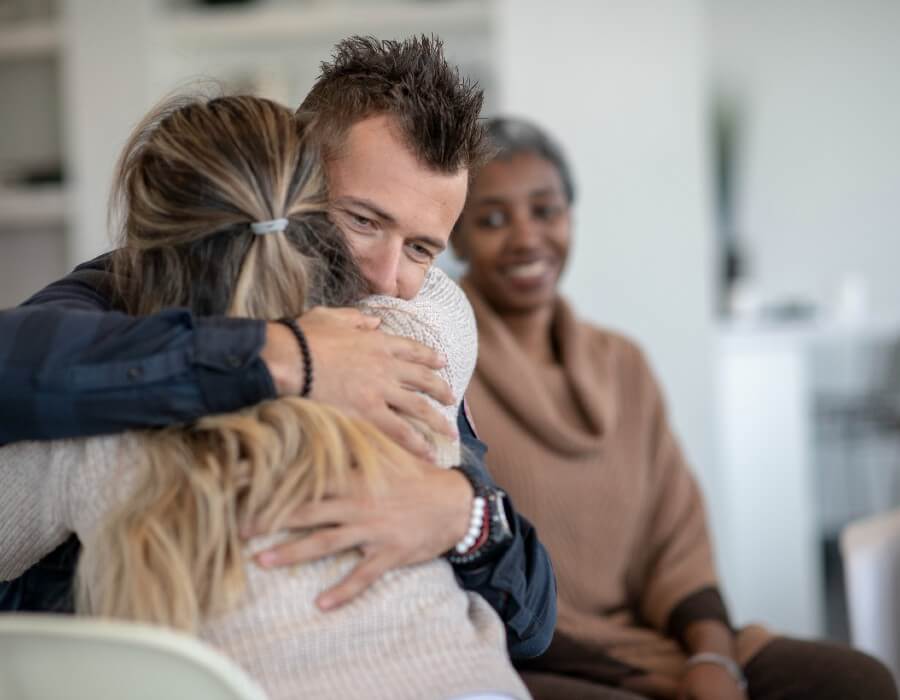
x: 400, y: 133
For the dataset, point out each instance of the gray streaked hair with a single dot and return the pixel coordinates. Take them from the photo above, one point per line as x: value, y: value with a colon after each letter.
x: 512, y: 136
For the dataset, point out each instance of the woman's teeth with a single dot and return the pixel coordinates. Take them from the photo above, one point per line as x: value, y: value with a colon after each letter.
x: 532, y: 269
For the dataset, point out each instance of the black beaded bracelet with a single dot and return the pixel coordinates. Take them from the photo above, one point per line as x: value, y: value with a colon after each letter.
x: 294, y: 327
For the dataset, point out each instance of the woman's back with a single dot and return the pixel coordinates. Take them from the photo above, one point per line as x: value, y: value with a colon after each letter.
x: 414, y: 633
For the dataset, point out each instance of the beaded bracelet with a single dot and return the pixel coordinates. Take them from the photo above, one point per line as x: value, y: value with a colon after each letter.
x: 294, y: 327
x: 476, y: 527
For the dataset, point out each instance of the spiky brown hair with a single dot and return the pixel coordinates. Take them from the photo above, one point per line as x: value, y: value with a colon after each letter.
x: 437, y: 111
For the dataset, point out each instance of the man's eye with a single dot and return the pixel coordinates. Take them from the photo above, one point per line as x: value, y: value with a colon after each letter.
x: 361, y: 221
x: 420, y: 253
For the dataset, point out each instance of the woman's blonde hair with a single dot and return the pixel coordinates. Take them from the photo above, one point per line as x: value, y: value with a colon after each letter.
x: 193, y: 177
x: 171, y: 553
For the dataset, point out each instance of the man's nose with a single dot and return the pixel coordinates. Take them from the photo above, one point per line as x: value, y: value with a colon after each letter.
x: 382, y: 271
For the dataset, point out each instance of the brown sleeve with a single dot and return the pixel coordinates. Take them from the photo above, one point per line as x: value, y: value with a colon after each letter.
x: 705, y: 604
x: 675, y: 554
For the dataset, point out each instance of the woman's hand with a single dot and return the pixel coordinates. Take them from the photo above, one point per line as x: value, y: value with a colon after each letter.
x: 709, y: 682
x: 365, y: 373
x: 705, y: 679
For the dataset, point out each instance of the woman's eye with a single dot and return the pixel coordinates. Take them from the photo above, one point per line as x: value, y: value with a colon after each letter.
x: 494, y: 219
x: 546, y: 212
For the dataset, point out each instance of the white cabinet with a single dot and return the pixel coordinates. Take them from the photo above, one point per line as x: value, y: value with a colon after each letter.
x: 770, y: 558
x: 785, y: 486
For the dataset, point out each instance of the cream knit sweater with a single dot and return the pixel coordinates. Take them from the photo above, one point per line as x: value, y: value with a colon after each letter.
x: 414, y: 634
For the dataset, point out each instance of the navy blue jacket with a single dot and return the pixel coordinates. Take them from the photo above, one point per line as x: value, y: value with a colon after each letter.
x: 71, y: 365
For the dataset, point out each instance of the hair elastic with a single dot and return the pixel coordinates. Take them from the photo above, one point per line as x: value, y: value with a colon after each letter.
x: 261, y: 228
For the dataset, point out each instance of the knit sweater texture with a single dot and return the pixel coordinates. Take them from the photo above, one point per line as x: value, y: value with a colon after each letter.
x: 585, y: 450
x: 414, y: 634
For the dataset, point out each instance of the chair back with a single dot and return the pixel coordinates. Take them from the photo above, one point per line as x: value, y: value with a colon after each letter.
x: 870, y: 548
x: 48, y: 657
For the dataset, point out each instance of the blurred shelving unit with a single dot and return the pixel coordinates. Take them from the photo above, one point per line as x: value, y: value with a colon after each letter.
x: 21, y: 39
x: 243, y: 24
x: 45, y: 205
x: 276, y: 47
x: 35, y: 212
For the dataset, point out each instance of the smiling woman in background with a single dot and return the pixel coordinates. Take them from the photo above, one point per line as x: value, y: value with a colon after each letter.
x: 580, y: 439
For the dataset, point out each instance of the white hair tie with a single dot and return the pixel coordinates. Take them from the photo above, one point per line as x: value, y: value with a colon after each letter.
x: 261, y: 228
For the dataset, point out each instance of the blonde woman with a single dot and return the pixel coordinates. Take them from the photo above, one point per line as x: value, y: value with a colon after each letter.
x: 224, y: 212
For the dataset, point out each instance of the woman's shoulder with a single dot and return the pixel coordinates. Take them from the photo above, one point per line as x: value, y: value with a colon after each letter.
x: 440, y: 317
x: 94, y: 474
x: 614, y: 343
x: 440, y: 303
x: 623, y: 355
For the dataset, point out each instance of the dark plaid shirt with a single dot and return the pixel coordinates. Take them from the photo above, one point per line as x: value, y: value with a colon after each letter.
x: 70, y: 365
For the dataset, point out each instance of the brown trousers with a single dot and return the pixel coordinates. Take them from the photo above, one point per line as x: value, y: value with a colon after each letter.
x: 784, y: 669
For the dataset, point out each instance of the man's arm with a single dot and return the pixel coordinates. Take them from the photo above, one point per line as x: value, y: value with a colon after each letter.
x: 72, y: 366
x: 519, y: 584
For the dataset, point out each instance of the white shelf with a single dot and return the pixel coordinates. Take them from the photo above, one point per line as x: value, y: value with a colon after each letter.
x: 29, y: 39
x: 241, y: 26
x: 43, y: 205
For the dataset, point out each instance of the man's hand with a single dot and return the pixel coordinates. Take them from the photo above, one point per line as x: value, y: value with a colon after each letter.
x: 709, y: 682
x: 413, y: 519
x: 365, y: 373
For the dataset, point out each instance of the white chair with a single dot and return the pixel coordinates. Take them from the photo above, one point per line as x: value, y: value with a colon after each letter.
x: 49, y: 657
x: 871, y: 552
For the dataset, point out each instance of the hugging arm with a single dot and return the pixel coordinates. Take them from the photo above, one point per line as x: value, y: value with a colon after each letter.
x: 519, y: 583
x: 70, y: 366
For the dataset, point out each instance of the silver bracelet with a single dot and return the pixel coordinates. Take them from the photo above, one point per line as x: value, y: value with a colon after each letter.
x: 726, y: 662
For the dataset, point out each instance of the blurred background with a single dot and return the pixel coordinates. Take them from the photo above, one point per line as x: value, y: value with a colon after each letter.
x: 739, y: 175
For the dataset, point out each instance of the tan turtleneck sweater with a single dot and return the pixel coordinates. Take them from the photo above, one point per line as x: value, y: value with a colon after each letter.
x: 585, y: 451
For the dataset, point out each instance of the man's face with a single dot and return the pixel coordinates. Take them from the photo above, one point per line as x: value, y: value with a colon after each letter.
x: 396, y: 213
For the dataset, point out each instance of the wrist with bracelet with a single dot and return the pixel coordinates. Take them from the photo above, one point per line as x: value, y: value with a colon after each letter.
x: 478, y: 527
x: 489, y: 528
x: 721, y: 660
x: 294, y: 327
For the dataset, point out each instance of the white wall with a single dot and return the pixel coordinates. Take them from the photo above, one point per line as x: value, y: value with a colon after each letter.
x: 819, y: 181
x: 622, y: 85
